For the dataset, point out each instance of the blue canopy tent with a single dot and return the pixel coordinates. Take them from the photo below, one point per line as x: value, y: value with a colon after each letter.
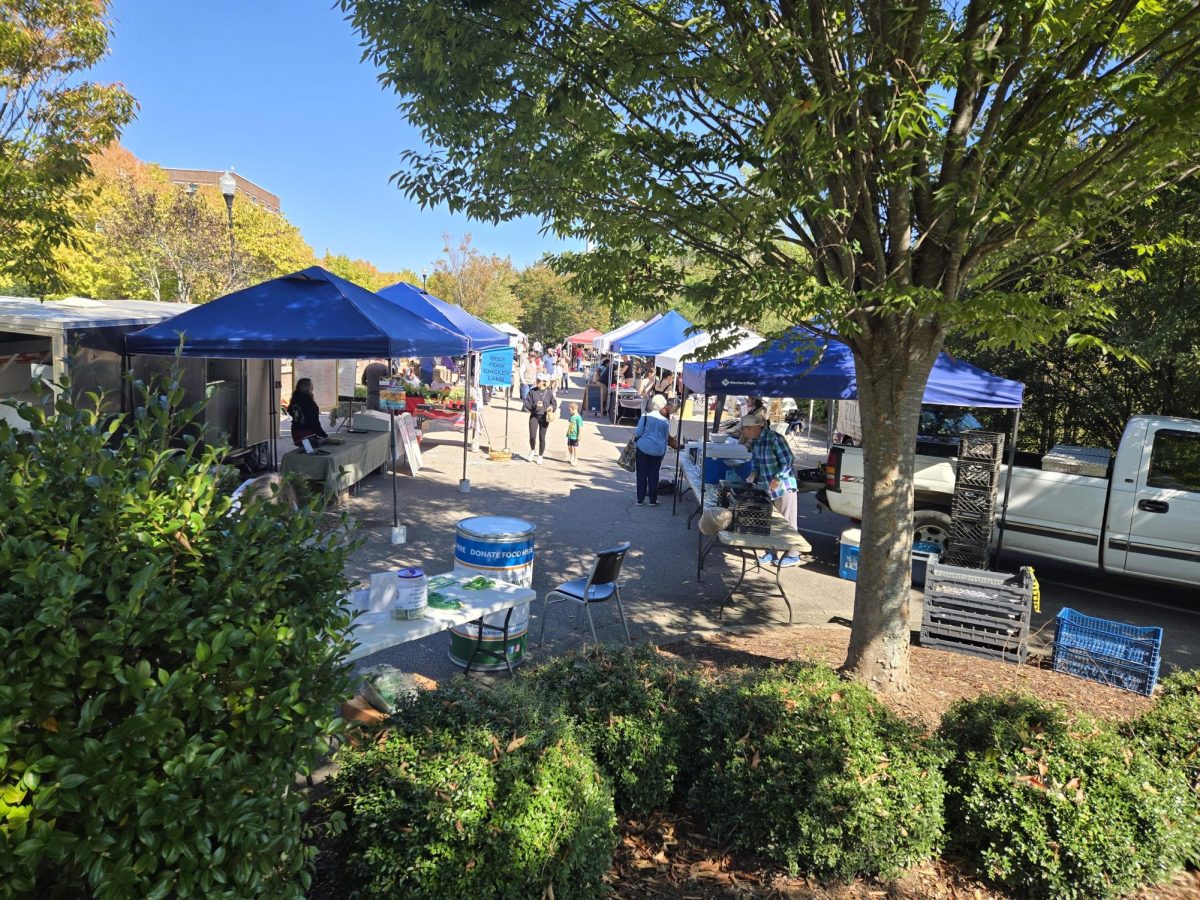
x: 479, y: 334
x: 655, y: 337
x: 806, y: 364
x: 310, y: 314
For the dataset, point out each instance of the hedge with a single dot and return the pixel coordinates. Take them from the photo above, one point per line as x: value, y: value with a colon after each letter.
x: 168, y: 666
x: 473, y: 792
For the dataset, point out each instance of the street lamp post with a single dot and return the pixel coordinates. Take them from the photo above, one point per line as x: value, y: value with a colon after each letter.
x: 228, y: 187
x: 424, y: 275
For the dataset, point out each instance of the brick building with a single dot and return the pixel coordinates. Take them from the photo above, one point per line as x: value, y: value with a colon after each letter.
x: 245, y: 188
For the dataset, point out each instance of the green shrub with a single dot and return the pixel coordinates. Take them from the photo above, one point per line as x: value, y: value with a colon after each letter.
x: 1049, y: 807
x: 634, y: 711
x: 474, y: 793
x: 815, y: 774
x: 1171, y: 729
x: 167, y: 669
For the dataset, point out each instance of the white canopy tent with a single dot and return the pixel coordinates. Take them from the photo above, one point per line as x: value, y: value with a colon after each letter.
x: 512, y: 331
x: 604, y: 342
x: 673, y: 358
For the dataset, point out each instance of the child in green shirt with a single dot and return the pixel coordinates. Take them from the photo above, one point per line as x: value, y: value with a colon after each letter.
x: 574, y: 426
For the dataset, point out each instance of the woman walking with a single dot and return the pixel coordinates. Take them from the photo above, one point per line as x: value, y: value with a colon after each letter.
x: 650, y: 438
x: 542, y: 405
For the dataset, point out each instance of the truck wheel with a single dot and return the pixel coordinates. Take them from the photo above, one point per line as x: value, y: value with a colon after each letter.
x: 933, y: 527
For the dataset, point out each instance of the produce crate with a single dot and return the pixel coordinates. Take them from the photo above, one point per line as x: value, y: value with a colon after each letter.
x: 1105, y: 670
x: 982, y: 445
x: 977, y: 474
x: 751, y: 518
x: 965, y: 533
x: 968, y: 557
x: 973, y: 503
x: 1115, y: 640
x: 978, y: 613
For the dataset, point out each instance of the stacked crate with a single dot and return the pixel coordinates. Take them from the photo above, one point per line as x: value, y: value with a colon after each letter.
x: 1114, y: 653
x: 977, y: 613
x: 974, y: 504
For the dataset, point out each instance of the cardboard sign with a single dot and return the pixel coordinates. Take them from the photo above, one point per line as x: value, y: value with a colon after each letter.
x: 495, y: 367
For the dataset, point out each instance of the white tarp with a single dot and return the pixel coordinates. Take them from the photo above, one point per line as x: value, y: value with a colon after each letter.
x: 672, y: 359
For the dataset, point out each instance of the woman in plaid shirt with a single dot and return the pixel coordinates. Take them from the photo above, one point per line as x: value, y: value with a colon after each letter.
x: 771, y: 460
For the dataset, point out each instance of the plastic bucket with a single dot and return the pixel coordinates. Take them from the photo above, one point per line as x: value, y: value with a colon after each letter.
x: 499, y: 547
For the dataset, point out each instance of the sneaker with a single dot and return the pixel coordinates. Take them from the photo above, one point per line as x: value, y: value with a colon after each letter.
x: 538, y: 460
x: 654, y: 503
x: 641, y: 502
x: 788, y: 561
x: 766, y: 559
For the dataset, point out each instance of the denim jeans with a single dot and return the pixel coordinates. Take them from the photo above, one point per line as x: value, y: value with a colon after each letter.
x: 647, y: 476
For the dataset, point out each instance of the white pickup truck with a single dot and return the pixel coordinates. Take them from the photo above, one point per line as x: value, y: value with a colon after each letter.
x: 1142, y: 519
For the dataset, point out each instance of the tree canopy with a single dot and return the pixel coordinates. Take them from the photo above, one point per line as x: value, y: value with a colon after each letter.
x: 889, y: 170
x: 51, y: 119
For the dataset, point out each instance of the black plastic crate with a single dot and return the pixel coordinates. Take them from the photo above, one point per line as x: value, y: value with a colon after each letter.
x: 751, y: 518
x: 973, y: 503
x: 984, y: 445
x: 968, y: 533
x: 968, y: 557
x: 1012, y: 654
x: 977, y: 474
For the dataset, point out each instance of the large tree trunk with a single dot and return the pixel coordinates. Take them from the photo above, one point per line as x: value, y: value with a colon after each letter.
x: 892, y: 371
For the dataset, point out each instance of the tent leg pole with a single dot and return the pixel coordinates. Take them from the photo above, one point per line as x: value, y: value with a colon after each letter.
x: 700, y: 499
x: 678, y: 446
x: 392, y: 444
x: 272, y: 416
x: 464, y: 485
x: 1012, y: 455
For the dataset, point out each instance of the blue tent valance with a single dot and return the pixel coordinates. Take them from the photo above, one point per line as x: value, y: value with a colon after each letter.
x: 653, y: 338
x: 481, y: 335
x: 310, y: 314
x: 805, y: 365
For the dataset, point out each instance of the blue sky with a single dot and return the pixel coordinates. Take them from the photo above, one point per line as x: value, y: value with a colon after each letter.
x: 275, y: 88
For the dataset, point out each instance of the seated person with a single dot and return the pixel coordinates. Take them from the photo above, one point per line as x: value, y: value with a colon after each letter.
x: 306, y: 416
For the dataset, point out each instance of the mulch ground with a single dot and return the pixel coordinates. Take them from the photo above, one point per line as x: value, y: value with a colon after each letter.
x: 938, y: 678
x: 671, y: 856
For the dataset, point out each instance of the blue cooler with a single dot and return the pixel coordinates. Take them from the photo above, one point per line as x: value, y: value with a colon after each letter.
x: 848, y: 554
x: 924, y: 553
x: 721, y: 469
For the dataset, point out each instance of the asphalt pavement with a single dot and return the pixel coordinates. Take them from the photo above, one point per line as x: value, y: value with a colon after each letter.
x: 578, y: 510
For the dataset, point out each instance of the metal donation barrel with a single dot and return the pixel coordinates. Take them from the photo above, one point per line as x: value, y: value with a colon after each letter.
x: 497, y: 547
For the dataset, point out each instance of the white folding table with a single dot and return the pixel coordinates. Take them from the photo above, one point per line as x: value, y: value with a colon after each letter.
x: 373, y: 632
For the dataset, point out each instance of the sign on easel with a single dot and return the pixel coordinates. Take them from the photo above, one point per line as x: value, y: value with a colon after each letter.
x: 408, y: 438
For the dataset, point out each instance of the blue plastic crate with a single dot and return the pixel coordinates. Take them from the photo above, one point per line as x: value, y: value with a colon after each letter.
x: 1113, y: 640
x: 1113, y: 672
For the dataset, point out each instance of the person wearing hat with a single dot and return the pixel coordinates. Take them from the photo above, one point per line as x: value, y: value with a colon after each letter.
x: 771, y: 460
x: 651, y: 438
x: 542, y: 405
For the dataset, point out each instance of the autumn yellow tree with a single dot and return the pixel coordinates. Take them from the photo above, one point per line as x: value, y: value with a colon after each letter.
x: 140, y: 236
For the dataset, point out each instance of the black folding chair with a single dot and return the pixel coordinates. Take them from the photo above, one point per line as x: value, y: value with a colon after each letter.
x: 599, y: 586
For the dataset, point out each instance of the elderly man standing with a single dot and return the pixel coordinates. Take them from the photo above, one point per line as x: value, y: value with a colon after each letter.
x: 771, y: 459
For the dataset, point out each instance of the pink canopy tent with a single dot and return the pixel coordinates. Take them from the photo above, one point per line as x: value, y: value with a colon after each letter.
x: 585, y: 337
